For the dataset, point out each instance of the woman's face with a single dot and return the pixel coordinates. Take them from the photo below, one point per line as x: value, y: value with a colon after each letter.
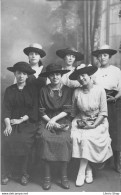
x: 34, y: 58
x: 84, y: 79
x: 55, y: 78
x: 70, y: 59
x: 104, y: 59
x: 20, y: 76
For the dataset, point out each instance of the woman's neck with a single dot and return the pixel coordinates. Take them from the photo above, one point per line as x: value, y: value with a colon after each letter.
x: 105, y: 66
x: 68, y: 67
x: 34, y: 66
x: 88, y: 86
x: 21, y: 85
x: 56, y: 86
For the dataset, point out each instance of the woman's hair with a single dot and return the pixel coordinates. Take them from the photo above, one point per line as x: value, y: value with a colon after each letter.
x: 40, y: 63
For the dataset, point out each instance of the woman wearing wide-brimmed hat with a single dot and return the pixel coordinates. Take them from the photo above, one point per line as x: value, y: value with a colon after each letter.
x: 70, y: 55
x: 109, y: 77
x: 53, y: 139
x: 20, y: 115
x: 89, y: 133
x: 35, y: 54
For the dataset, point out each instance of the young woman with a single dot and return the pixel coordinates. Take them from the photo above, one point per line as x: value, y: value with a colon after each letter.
x: 20, y: 115
x: 109, y: 77
x: 54, y: 142
x: 70, y: 56
x: 89, y: 133
x: 35, y: 53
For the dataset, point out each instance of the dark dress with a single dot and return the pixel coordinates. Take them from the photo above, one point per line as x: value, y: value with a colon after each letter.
x: 18, y: 103
x: 56, y: 145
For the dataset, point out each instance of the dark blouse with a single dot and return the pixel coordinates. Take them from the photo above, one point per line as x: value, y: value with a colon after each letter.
x: 60, y: 101
x: 18, y: 103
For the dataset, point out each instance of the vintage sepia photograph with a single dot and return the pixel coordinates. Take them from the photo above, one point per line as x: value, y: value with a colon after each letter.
x: 60, y: 96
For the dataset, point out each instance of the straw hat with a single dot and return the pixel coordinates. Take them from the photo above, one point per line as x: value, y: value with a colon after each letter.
x: 35, y: 47
x: 72, y: 51
x: 104, y: 49
x: 23, y: 67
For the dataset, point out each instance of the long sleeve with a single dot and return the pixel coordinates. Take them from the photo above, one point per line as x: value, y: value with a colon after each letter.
x: 74, y: 105
x: 7, y: 107
x: 103, y: 104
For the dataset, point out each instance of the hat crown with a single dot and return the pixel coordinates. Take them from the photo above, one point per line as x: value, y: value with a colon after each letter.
x: 53, y: 67
x: 36, y: 45
x: 21, y: 65
x: 105, y: 47
x: 71, y: 49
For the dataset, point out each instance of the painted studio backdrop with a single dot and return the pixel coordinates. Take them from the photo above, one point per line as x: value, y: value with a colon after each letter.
x: 84, y: 25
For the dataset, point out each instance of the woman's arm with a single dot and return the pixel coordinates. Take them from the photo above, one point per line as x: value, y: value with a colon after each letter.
x: 8, y: 128
x: 19, y: 121
x: 52, y: 122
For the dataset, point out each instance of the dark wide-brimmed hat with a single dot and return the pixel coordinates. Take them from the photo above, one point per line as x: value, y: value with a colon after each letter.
x: 53, y: 68
x: 72, y: 51
x: 35, y: 47
x: 104, y: 49
x: 23, y: 67
x: 90, y: 70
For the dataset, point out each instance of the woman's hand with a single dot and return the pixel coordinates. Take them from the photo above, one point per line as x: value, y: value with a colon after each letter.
x: 16, y: 121
x: 88, y: 126
x: 111, y: 99
x: 7, y: 130
x: 50, y: 124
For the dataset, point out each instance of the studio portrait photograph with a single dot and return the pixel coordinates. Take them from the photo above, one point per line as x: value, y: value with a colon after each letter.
x: 60, y: 96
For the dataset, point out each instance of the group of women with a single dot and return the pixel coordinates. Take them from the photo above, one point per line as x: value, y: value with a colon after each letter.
x: 63, y: 109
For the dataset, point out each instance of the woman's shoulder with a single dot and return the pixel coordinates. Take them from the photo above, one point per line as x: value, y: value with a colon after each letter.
x: 114, y: 68
x: 98, y: 88
x: 11, y: 87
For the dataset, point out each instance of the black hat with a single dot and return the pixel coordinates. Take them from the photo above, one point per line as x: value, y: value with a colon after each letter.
x: 104, y: 49
x: 53, y: 68
x: 72, y: 51
x: 86, y: 70
x: 23, y: 67
x: 35, y: 47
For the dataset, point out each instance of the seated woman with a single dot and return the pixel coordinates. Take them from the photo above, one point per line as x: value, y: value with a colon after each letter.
x: 53, y: 140
x: 89, y: 133
x: 20, y: 114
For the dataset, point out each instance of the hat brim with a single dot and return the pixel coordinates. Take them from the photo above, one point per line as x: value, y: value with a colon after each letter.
x: 101, y: 51
x: 46, y: 74
x: 41, y: 52
x: 90, y: 70
x: 63, y: 52
x: 27, y: 71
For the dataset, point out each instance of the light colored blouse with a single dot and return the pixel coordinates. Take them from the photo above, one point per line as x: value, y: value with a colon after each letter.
x: 109, y: 78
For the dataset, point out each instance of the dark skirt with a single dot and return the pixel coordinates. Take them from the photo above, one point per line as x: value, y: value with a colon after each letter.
x: 114, y: 117
x: 56, y: 145
x: 20, y: 141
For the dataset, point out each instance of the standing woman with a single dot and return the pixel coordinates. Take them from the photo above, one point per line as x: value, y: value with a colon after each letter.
x: 20, y: 115
x: 109, y: 77
x: 35, y: 53
x: 89, y: 133
x: 70, y: 56
x: 54, y: 142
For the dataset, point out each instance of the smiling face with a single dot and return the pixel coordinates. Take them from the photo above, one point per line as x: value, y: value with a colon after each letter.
x: 55, y: 78
x: 34, y: 58
x: 20, y: 76
x: 70, y: 59
x: 104, y: 59
x: 84, y: 79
